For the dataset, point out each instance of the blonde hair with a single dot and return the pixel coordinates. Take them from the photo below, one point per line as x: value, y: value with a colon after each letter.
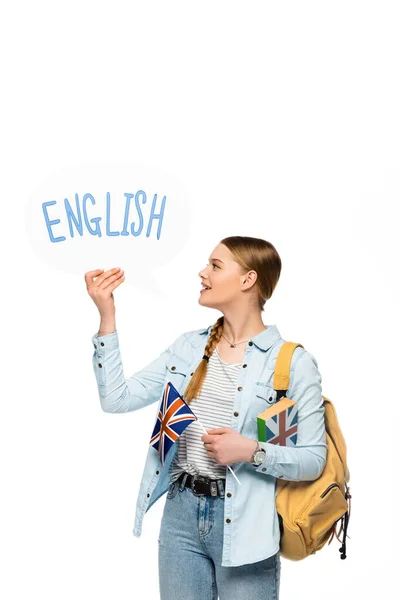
x: 251, y: 254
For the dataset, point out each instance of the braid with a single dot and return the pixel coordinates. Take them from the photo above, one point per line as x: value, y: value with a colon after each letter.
x: 195, y: 384
x: 215, y: 336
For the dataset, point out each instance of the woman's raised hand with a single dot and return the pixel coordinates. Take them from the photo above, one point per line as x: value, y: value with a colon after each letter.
x: 100, y: 286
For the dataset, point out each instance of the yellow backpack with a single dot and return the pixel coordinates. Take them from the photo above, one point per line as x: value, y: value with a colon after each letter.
x: 308, y: 511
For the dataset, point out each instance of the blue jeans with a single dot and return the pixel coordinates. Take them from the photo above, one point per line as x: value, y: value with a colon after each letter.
x: 190, y: 554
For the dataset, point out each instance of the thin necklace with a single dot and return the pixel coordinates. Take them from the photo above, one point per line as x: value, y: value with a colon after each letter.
x: 237, y: 343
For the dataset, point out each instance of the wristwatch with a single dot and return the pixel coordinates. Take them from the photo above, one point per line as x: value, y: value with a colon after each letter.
x: 258, y: 456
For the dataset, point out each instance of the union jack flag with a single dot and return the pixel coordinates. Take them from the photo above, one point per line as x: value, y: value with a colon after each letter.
x: 280, y: 429
x: 173, y: 416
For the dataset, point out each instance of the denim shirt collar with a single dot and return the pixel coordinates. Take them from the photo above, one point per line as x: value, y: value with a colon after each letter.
x: 263, y: 340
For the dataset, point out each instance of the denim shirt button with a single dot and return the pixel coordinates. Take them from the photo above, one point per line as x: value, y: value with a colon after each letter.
x: 236, y: 413
x: 250, y: 343
x: 240, y: 388
x: 244, y: 366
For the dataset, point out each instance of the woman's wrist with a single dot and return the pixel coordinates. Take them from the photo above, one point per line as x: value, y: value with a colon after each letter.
x: 107, y: 326
x: 253, y: 444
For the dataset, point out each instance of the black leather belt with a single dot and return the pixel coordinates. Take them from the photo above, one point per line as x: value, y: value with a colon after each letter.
x: 203, y: 486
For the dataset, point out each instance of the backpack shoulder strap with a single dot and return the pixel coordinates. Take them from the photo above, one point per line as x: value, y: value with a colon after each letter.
x: 282, y: 368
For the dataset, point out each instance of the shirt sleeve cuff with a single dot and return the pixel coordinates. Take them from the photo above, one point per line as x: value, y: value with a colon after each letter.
x: 268, y: 466
x: 108, y: 342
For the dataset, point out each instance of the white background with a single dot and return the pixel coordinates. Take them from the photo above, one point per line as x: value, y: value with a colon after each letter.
x: 281, y: 121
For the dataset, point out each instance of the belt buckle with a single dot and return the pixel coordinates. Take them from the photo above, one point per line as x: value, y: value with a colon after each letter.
x: 213, y: 488
x: 192, y: 484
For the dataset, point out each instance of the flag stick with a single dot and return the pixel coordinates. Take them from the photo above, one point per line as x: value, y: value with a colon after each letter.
x: 205, y: 430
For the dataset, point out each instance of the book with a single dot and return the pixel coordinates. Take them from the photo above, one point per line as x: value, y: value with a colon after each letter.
x: 277, y: 424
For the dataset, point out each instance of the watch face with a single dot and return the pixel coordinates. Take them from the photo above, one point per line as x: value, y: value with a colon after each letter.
x: 259, y: 457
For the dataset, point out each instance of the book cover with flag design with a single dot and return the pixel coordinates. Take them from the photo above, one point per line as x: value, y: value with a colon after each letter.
x: 173, y: 416
x: 277, y: 424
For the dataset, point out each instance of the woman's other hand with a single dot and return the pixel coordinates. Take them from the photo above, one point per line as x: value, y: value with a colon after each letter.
x: 100, y: 286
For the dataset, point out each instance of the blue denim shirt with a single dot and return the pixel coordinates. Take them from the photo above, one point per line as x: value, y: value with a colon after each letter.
x: 251, y: 526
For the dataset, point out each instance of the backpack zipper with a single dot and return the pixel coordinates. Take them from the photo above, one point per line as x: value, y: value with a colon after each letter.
x: 329, y: 488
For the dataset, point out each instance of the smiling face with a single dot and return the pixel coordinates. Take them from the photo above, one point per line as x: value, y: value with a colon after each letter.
x: 224, y: 277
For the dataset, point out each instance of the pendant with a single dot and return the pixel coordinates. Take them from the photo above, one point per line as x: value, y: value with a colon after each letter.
x: 233, y: 345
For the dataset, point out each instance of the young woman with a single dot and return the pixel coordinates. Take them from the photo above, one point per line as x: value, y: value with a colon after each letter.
x: 219, y: 534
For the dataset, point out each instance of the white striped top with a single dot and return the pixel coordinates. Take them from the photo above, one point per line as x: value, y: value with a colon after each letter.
x: 213, y: 407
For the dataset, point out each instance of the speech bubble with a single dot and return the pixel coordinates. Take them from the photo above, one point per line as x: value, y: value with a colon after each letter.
x: 100, y: 215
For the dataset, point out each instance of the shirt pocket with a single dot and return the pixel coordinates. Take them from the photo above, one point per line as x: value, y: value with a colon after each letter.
x: 264, y: 396
x: 177, y: 370
x: 265, y: 392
